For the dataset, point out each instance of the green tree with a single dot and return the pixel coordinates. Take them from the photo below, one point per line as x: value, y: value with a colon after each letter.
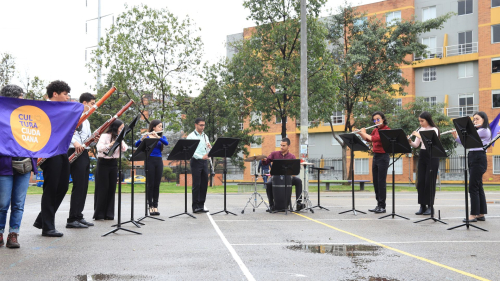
x: 7, y: 68
x: 150, y: 55
x: 34, y: 87
x: 265, y: 72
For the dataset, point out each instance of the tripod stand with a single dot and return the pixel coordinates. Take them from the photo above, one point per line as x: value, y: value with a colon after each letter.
x: 355, y: 144
x: 255, y: 193
x: 469, y: 139
x: 118, y: 144
x: 304, y: 196
x: 184, y: 150
x: 224, y: 147
x: 394, y: 141
x: 435, y: 148
x: 319, y: 189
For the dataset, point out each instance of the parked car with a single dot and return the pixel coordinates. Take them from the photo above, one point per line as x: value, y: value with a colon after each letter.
x: 137, y: 179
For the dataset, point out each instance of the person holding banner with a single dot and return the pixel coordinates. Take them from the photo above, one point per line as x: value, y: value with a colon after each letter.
x: 106, y: 173
x: 79, y: 169
x: 15, y: 175
x: 55, y: 173
x: 155, y: 165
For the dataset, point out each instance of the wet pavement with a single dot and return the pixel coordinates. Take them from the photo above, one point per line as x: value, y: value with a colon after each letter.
x: 323, y: 245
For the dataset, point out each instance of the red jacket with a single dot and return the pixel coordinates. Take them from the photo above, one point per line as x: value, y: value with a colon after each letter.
x: 377, y: 144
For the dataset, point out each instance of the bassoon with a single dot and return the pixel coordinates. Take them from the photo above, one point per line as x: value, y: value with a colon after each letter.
x: 92, y: 139
x: 87, y: 114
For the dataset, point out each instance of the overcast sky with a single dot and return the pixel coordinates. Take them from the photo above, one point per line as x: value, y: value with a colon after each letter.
x: 48, y: 38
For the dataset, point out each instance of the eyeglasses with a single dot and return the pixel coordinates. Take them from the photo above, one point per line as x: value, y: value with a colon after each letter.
x: 202, y: 125
x: 376, y: 120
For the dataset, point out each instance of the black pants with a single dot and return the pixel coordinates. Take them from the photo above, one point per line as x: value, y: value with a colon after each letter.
x: 199, y: 170
x: 105, y: 187
x: 155, y: 171
x: 297, y: 182
x: 380, y: 164
x: 478, y: 164
x: 426, y: 185
x: 55, y: 186
x: 79, y: 170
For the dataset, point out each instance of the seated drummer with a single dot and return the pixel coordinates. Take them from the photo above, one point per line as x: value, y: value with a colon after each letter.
x: 284, y: 153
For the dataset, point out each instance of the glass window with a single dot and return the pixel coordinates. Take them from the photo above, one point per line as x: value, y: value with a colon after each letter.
x: 495, y: 65
x: 338, y: 118
x: 398, y: 167
x: 428, y: 13
x: 255, y: 145
x: 496, y: 164
x: 465, y: 42
x: 465, y: 70
x: 431, y: 100
x: 495, y: 33
x: 399, y: 102
x: 495, y: 3
x: 429, y: 74
x: 359, y: 22
x: 430, y: 42
x: 278, y: 140
x: 465, y: 7
x: 361, y: 166
x: 241, y: 126
x: 391, y: 16
x: 496, y: 98
x: 466, y: 103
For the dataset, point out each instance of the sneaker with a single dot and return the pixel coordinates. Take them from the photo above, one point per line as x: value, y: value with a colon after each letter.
x: 12, y: 241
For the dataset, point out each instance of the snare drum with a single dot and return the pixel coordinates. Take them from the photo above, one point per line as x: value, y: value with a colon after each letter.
x: 280, y: 196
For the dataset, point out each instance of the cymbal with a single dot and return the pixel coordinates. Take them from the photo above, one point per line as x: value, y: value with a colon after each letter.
x: 255, y: 158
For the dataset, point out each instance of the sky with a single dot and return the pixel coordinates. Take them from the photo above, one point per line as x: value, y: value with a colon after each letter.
x: 49, y: 38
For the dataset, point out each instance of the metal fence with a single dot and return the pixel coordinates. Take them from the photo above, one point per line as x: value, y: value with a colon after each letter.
x: 331, y: 174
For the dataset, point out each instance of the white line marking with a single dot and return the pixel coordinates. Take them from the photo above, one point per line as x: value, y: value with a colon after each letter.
x: 89, y: 277
x: 237, y: 258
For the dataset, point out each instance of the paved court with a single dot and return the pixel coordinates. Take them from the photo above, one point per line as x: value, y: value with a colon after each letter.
x: 261, y: 246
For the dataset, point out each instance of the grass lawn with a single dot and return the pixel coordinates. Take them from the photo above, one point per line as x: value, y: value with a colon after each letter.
x: 173, y: 188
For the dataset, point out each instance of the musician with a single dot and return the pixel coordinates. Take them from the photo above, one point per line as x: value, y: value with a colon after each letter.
x: 425, y: 164
x: 155, y: 165
x: 265, y: 170
x: 55, y: 173
x: 79, y: 169
x: 380, y: 162
x: 478, y: 164
x: 284, y: 153
x: 199, y: 166
x: 106, y: 172
x: 14, y: 184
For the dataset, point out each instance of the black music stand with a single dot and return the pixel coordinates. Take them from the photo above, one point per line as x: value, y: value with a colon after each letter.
x: 355, y: 144
x: 319, y: 172
x: 436, y: 150
x: 130, y: 128
x: 394, y: 141
x: 184, y: 150
x: 118, y: 144
x: 286, y: 167
x: 142, y: 153
x: 469, y: 139
x: 224, y: 147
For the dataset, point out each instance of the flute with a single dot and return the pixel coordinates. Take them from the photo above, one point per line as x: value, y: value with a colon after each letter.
x: 357, y: 131
x: 409, y: 137
x: 491, y: 142
x: 454, y: 130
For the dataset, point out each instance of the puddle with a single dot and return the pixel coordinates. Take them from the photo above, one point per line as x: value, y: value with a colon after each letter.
x: 90, y: 277
x: 339, y: 250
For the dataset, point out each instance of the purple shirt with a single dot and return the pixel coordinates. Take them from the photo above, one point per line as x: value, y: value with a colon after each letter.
x: 484, y: 134
x: 6, y: 166
x: 277, y: 155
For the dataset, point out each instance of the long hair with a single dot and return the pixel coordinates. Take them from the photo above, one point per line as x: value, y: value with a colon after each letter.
x: 113, y: 129
x: 152, y: 125
x: 483, y: 115
x: 381, y: 115
x: 428, y: 117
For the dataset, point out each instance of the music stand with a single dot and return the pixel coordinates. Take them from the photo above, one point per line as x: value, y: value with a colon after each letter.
x: 118, y: 144
x: 286, y: 167
x: 319, y: 172
x: 394, y: 141
x: 469, y: 139
x: 142, y: 153
x: 355, y: 144
x: 130, y: 128
x: 436, y: 150
x: 224, y: 147
x: 184, y: 150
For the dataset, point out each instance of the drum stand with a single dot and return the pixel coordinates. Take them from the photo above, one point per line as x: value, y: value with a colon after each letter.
x: 304, y: 196
x: 254, y: 195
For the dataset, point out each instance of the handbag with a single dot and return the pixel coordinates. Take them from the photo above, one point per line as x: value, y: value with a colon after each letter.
x: 23, y: 166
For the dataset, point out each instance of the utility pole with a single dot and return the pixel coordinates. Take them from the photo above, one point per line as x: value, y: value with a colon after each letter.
x: 304, y: 116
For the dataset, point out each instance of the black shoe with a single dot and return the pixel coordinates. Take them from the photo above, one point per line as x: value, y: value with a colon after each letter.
x: 380, y: 210
x: 299, y: 206
x: 422, y: 210
x: 271, y: 209
x: 38, y: 224
x: 374, y: 209
x: 52, y: 233
x: 84, y: 222
x: 483, y: 218
x: 75, y: 224
x: 109, y: 218
x: 428, y: 211
x: 472, y: 220
x: 203, y: 210
x: 198, y: 210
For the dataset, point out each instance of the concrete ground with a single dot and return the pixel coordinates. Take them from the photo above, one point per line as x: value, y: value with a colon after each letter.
x: 323, y: 245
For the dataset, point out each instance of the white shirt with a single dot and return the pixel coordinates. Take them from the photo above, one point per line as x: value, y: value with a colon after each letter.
x: 81, y: 136
x: 202, y: 148
x: 417, y: 141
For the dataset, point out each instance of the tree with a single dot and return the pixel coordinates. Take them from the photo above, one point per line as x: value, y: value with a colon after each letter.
x: 7, y: 68
x: 34, y: 87
x: 150, y: 56
x: 265, y: 73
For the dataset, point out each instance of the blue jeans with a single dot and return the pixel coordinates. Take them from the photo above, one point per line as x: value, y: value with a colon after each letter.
x: 13, y: 191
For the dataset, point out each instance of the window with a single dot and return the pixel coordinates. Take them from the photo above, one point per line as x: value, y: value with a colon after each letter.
x: 465, y: 7
x: 398, y: 167
x: 431, y: 100
x: 429, y: 74
x: 361, y: 166
x: 430, y: 42
x: 496, y: 164
x: 495, y: 3
x: 495, y: 65
x: 278, y: 119
x: 496, y: 98
x: 278, y: 140
x: 465, y: 70
x: 465, y: 42
x: 392, y: 16
x: 256, y: 118
x: 399, y: 102
x: 241, y: 126
x: 466, y: 103
x: 495, y: 33
x: 360, y: 22
x: 428, y: 13
x: 255, y: 145
x: 338, y: 118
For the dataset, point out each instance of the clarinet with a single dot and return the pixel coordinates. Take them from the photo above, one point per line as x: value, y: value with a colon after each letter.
x: 210, y: 160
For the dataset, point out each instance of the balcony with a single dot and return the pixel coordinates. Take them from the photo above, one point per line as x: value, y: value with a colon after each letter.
x: 462, y: 49
x: 461, y: 111
x: 430, y: 53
